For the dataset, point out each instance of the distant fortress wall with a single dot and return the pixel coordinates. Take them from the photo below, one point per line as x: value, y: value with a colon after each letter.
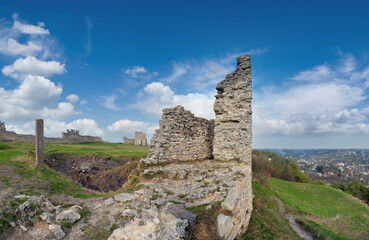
x: 71, y: 136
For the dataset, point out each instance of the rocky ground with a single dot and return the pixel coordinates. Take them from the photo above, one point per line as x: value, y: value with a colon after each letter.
x: 172, y: 201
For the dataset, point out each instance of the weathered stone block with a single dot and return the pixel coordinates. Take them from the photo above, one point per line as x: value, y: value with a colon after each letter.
x: 40, y: 144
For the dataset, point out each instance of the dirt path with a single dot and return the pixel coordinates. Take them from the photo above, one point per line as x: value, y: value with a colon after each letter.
x: 293, y: 223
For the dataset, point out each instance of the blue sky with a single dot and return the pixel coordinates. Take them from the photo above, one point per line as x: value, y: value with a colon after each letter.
x: 108, y: 68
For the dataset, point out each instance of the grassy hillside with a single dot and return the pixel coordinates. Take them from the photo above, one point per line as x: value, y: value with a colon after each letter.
x: 326, y: 212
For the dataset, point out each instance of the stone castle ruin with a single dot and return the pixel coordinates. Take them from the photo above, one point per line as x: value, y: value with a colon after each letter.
x: 185, y: 137
x: 181, y: 137
x: 139, y: 140
x: 191, y: 147
x: 71, y: 136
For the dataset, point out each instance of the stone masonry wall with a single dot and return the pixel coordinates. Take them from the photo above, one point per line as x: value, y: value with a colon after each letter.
x: 71, y: 136
x: 140, y: 139
x: 233, y: 114
x: 181, y: 137
x: 128, y: 141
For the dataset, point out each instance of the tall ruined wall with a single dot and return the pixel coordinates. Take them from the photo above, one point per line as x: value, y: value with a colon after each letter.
x: 233, y: 114
x: 140, y: 139
x: 181, y: 137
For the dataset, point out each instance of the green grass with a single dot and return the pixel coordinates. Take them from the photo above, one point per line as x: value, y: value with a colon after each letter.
x: 21, y: 156
x: 316, y: 200
x: 320, y: 231
x: 332, y: 210
x: 3, y: 146
x: 266, y: 220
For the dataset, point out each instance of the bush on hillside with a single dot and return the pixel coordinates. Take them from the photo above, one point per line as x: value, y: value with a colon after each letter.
x: 266, y: 164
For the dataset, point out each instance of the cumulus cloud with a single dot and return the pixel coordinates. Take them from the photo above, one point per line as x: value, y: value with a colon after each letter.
x: 54, y: 128
x: 327, y: 101
x: 128, y: 126
x: 159, y: 96
x: 72, y: 98
x: 86, y: 127
x: 36, y: 96
x: 13, y: 47
x: 29, y: 28
x: 32, y: 66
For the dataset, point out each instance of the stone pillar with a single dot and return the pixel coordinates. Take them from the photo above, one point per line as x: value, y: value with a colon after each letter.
x: 233, y: 114
x: 39, y: 143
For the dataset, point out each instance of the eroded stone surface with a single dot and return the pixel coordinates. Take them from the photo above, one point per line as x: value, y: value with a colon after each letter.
x: 181, y: 137
x: 69, y: 216
x: 233, y: 114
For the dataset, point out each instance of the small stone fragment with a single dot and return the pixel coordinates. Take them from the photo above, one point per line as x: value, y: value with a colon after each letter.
x: 224, y: 224
x: 109, y: 201
x: 69, y: 216
x: 179, y: 211
x: 23, y: 207
x: 57, y: 230
x: 123, y: 197
x: 45, y: 216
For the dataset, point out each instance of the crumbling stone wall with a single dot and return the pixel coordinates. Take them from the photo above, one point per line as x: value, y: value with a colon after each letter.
x: 140, y: 139
x: 128, y: 141
x: 71, y: 136
x: 181, y: 137
x: 233, y: 114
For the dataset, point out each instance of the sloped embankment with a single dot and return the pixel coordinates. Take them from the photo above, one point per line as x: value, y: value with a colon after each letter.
x: 325, y: 212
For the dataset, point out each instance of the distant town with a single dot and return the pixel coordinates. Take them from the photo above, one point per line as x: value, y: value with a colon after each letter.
x: 339, y: 165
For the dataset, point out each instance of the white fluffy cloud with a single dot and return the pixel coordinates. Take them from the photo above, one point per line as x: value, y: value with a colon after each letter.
x: 32, y: 66
x: 36, y: 96
x: 128, y: 126
x: 72, y: 98
x: 29, y: 28
x: 326, y: 101
x: 158, y: 96
x: 13, y: 47
x: 54, y: 128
